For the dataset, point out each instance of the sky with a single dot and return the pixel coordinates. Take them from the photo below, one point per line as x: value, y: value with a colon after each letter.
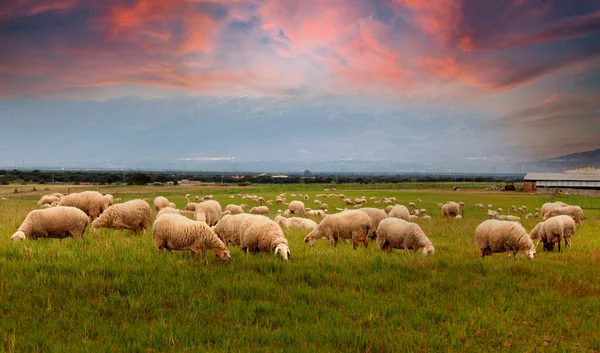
x: 373, y: 83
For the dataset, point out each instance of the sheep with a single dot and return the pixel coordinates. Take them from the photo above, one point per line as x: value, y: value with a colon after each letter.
x: 296, y: 207
x: 260, y: 210
x: 461, y: 204
x: 490, y: 205
x: 172, y: 204
x: 493, y: 214
x: 347, y: 224
x: 295, y: 222
x: 209, y: 212
x: 324, y: 207
x: 394, y: 233
x: 92, y: 203
x: 423, y: 211
x: 551, y: 205
x: 306, y: 197
x: 450, y: 209
x: 176, y: 232
x: 426, y: 217
x: 253, y: 233
x: 400, y: 211
x: 55, y: 222
x: 376, y: 215
x: 387, y: 209
x: 553, y: 231
x: 412, y: 204
x: 348, y: 201
x: 574, y: 212
x: 57, y: 195
x: 528, y: 216
x: 161, y: 202
x: 459, y: 217
x: 134, y: 214
x: 316, y: 213
x: 47, y: 200
x: 413, y: 218
x: 509, y: 218
x: 191, y: 206
x: 234, y: 209
x: 494, y: 236
x: 171, y: 210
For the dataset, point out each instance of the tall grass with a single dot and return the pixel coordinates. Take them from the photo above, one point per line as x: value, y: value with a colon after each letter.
x: 111, y: 291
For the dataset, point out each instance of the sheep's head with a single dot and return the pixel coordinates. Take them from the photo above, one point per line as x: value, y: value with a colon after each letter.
x: 428, y: 250
x: 18, y: 236
x: 223, y: 254
x: 312, y: 237
x: 284, y: 251
x: 530, y: 253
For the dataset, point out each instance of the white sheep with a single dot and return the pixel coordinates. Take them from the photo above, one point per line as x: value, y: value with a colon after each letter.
x: 92, y: 203
x: 259, y: 210
x: 161, y: 202
x: 135, y: 215
x: 376, y: 215
x: 494, y: 236
x: 55, y: 222
x: 574, y: 212
x: 176, y: 232
x: 450, y: 209
x: 209, y: 211
x: 509, y: 218
x: 400, y: 211
x: 551, y: 205
x: 296, y: 207
x: 554, y: 230
x: 253, y: 233
x: 47, y: 200
x: 234, y: 209
x: 395, y: 233
x: 316, y: 213
x: 296, y: 222
x: 353, y: 225
x: 171, y: 210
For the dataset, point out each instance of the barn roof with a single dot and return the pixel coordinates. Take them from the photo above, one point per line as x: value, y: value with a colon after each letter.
x: 562, y: 177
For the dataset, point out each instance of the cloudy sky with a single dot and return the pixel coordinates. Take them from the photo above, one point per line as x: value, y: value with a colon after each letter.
x: 186, y: 83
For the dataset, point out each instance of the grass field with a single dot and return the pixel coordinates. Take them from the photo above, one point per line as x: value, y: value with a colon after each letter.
x: 111, y: 291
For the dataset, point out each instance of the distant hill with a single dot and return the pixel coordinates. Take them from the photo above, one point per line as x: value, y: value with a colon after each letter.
x: 586, y: 160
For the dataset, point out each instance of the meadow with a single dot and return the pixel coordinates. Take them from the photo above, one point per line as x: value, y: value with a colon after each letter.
x: 111, y: 291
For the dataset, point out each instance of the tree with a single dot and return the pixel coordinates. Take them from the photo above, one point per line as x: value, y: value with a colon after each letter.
x: 141, y: 179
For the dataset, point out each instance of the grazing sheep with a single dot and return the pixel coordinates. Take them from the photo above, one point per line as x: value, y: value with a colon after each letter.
x: 354, y: 225
x: 551, y: 205
x: 92, y: 203
x: 47, y: 200
x: 493, y: 214
x: 295, y: 222
x: 459, y: 217
x: 324, y: 207
x: 55, y: 222
x: 461, y: 204
x: 191, y: 206
x: 553, y: 231
x: 234, y: 209
x: 528, y: 216
x: 176, y: 232
x: 494, y: 236
x: 316, y: 213
x: 413, y: 218
x: 306, y: 197
x: 394, y: 233
x: 412, y: 204
x: 171, y: 210
x: 387, y: 209
x: 509, y: 218
x: 376, y: 215
x: 134, y: 214
x: 426, y: 217
x: 574, y: 212
x: 490, y: 205
x: 400, y: 211
x: 296, y: 207
x: 450, y: 209
x: 209, y: 212
x: 161, y: 202
x: 419, y: 200
x: 172, y: 204
x: 423, y: 211
x: 260, y: 210
x: 253, y: 233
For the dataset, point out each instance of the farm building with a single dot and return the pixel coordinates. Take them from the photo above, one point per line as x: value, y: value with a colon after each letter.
x: 568, y: 182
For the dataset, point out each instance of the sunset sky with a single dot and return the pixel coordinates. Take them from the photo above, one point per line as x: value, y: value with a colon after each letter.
x: 111, y: 83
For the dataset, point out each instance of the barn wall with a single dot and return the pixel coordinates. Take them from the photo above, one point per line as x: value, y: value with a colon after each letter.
x: 569, y: 191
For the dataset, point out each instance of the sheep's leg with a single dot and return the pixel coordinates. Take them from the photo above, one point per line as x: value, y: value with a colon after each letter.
x: 364, y: 240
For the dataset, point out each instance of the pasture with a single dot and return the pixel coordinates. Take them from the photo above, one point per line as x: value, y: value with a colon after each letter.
x: 112, y: 291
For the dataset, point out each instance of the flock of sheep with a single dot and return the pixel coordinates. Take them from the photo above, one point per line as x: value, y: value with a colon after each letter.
x: 213, y: 228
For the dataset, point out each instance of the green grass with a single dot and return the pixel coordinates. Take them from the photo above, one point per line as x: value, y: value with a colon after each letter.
x: 111, y: 291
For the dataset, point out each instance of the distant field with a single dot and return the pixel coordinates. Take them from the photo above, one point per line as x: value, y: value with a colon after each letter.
x: 111, y: 291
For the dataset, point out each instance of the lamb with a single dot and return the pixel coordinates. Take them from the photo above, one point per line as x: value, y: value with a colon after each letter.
x: 494, y: 236
x: 209, y: 212
x: 134, y: 214
x: 254, y: 233
x: 234, y: 209
x: 450, y: 209
x: 553, y: 231
x: 56, y: 222
x: 574, y: 212
x: 376, y: 215
x: 92, y: 203
x: 394, y: 233
x: 47, y: 200
x: 296, y: 207
x: 295, y: 222
x: 400, y: 211
x: 176, y: 232
x: 260, y: 210
x: 509, y: 218
x: 161, y: 202
x: 347, y: 224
